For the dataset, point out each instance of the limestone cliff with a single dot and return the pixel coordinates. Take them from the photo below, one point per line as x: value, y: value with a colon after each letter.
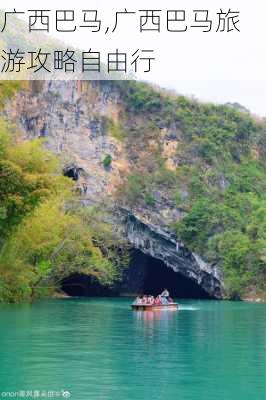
x: 81, y: 122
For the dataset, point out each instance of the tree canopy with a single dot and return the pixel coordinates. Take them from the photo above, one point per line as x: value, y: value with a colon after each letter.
x: 42, y: 237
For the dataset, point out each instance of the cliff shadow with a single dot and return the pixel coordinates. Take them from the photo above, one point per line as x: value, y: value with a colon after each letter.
x: 145, y: 275
x: 148, y: 275
x: 81, y: 285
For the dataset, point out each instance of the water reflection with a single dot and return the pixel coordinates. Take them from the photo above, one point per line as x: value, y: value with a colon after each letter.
x: 155, y: 316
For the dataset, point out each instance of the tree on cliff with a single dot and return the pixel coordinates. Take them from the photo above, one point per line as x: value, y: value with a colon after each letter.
x: 42, y: 238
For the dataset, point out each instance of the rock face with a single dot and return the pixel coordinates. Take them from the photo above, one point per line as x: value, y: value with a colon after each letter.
x: 163, y: 245
x: 74, y: 117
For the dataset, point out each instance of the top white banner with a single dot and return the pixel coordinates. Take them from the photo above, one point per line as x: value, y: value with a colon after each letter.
x: 154, y: 40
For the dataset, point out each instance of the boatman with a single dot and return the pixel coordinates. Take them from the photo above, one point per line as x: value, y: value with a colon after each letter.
x: 165, y: 293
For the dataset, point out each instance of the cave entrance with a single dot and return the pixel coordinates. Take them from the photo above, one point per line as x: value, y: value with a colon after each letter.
x: 81, y: 285
x: 156, y: 276
x: 145, y: 274
x: 73, y: 172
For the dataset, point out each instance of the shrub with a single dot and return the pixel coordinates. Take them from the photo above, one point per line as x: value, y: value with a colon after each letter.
x: 107, y: 161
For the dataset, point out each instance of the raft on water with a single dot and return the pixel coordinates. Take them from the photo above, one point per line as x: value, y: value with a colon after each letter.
x: 150, y: 307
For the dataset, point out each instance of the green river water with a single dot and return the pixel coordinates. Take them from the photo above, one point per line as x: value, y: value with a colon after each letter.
x: 98, y: 349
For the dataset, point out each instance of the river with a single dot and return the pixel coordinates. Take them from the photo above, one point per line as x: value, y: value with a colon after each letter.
x: 98, y: 349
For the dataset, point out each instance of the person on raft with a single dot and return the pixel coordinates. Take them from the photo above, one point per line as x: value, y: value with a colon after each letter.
x: 138, y: 300
x: 165, y: 294
x: 162, y: 299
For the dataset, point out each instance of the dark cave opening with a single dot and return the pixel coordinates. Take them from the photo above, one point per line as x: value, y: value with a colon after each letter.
x: 159, y: 276
x: 81, y: 285
x: 73, y: 172
x: 145, y: 275
x: 148, y: 275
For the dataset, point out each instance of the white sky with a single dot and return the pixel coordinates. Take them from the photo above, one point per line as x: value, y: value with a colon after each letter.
x: 250, y: 94
x: 219, y: 67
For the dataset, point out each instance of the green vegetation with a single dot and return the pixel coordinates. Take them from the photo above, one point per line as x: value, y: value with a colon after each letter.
x: 230, y: 233
x: 221, y: 164
x: 142, y: 188
x: 217, y: 178
x: 43, y: 234
x: 107, y: 161
x: 140, y: 97
x: 8, y: 89
x: 115, y: 129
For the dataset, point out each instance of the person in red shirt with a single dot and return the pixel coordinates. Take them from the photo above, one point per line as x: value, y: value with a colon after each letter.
x: 158, y: 300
